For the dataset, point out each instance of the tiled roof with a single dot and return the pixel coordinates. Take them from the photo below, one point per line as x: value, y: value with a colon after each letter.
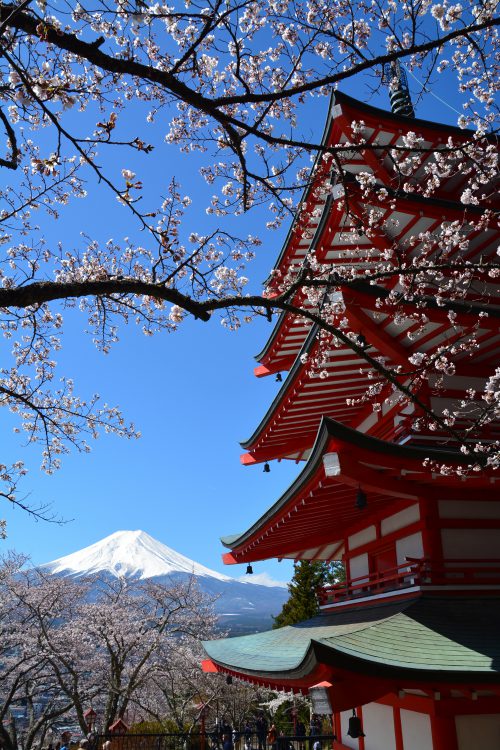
x: 428, y: 634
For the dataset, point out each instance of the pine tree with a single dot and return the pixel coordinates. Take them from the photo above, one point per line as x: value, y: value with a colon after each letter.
x: 302, y: 603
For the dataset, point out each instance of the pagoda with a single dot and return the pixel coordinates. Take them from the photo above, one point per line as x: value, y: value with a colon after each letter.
x: 409, y: 644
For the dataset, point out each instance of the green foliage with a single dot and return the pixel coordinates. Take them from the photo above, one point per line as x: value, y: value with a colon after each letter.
x: 308, y: 577
x: 283, y: 718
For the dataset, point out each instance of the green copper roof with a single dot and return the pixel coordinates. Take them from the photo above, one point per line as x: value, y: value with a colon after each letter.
x: 428, y: 634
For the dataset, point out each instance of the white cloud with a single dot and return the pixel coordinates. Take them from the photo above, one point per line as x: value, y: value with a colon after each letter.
x: 262, y: 579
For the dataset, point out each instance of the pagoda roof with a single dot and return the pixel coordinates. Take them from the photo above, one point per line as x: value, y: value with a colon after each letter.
x: 383, y: 128
x: 290, y: 424
x: 310, y: 520
x: 420, y: 639
x: 380, y: 115
x: 327, y: 235
x: 288, y: 427
x: 337, y: 241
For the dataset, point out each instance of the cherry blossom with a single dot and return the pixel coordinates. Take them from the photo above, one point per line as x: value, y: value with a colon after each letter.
x: 230, y: 84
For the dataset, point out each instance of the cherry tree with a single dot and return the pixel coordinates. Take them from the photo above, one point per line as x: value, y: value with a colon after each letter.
x: 68, y: 645
x: 27, y: 678
x: 227, y: 83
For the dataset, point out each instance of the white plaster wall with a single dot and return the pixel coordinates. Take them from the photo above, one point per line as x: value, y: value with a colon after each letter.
x: 344, y: 724
x: 481, y: 732
x: 470, y: 544
x: 378, y: 725
x: 400, y: 520
x: 468, y: 509
x: 409, y: 546
x: 362, y: 537
x: 358, y: 566
x: 416, y: 729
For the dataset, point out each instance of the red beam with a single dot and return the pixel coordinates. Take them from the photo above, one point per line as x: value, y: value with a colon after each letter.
x: 208, y: 666
x: 229, y: 559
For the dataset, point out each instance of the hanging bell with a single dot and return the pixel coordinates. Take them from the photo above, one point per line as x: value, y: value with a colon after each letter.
x: 361, y: 500
x: 355, y: 729
x: 249, y: 570
x: 266, y: 468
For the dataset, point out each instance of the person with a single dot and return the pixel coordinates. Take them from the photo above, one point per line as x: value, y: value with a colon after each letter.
x: 65, y: 740
x: 301, y: 732
x: 272, y: 737
x: 261, y: 727
x: 315, y: 725
x: 247, y: 733
x: 227, y: 742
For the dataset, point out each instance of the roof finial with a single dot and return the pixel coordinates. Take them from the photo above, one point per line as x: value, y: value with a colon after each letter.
x: 399, y: 93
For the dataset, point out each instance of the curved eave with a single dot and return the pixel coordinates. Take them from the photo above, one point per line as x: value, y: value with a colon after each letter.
x: 384, y: 115
x: 307, y: 472
x: 330, y: 429
x: 324, y: 139
x: 285, y: 315
x: 297, y: 366
x: 272, y: 338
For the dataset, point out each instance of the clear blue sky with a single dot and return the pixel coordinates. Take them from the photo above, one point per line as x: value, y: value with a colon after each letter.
x: 192, y: 394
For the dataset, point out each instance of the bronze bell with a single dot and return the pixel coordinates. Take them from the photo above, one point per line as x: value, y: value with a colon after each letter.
x: 355, y: 729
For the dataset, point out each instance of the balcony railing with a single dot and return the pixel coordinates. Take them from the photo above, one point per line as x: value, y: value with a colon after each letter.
x: 413, y: 572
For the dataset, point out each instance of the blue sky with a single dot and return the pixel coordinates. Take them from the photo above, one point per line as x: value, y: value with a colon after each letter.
x: 192, y: 394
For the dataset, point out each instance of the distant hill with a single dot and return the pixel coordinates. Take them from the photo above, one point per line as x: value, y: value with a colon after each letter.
x: 242, y: 607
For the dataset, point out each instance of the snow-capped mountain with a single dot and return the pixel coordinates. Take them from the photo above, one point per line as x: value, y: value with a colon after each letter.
x: 133, y: 554
x: 243, y: 605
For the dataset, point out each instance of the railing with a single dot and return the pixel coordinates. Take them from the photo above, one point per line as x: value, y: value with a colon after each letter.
x: 415, y: 572
x: 240, y: 740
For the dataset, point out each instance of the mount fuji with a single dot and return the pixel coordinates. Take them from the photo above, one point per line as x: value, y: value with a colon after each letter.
x: 242, y: 606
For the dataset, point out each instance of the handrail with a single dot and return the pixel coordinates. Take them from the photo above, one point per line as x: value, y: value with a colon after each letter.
x: 414, y: 572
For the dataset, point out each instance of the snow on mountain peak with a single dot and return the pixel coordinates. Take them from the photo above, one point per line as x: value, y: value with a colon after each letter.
x: 130, y: 554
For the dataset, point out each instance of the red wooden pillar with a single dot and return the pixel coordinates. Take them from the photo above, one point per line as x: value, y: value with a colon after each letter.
x: 431, y: 533
x: 398, y: 731
x: 337, y: 726
x: 444, y: 733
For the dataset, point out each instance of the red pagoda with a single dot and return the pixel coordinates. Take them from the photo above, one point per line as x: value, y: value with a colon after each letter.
x: 410, y: 643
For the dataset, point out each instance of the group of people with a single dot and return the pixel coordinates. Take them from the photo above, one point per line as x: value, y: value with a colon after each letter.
x: 88, y: 743
x: 266, y: 735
